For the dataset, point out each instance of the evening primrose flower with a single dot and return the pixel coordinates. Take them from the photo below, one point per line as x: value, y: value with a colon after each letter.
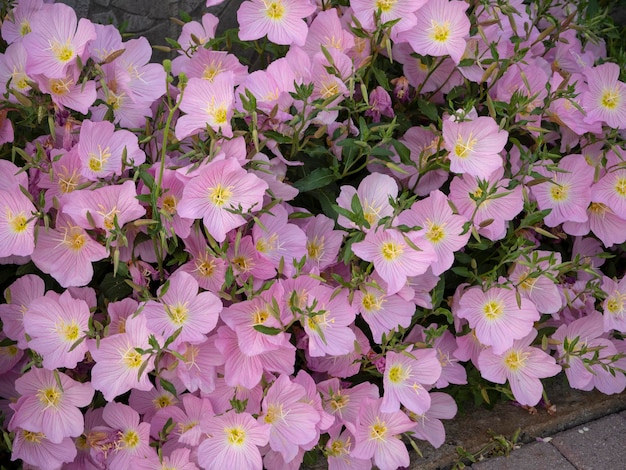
x: 377, y: 436
x: 50, y: 404
x: 56, y: 40
x: 474, y: 146
x: 394, y: 257
x: 496, y: 316
x: 441, y: 29
x: 55, y: 323
x: 281, y: 20
x: 605, y: 101
x: 522, y: 365
x: 233, y: 441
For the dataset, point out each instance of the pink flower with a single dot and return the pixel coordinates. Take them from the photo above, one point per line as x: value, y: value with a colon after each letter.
x: 55, y: 323
x: 50, y: 403
x: 474, y: 146
x: 221, y: 187
x: 56, y: 40
x: 18, y: 297
x: 383, y: 313
x: 187, y: 420
x: 281, y: 20
x: 67, y: 92
x: 406, y: 373
x: 440, y: 30
x: 17, y: 224
x: 344, y: 403
x: 66, y: 253
x: 614, y: 305
x: 605, y: 100
x: 373, y: 194
x: 278, y: 241
x: 203, y: 32
x: 292, y: 421
x: 611, y: 190
x: 489, y: 203
x: 380, y: 103
x: 132, y: 437
x: 323, y: 242
x: 233, y: 442
x: 207, y: 103
x: 18, y: 23
x: 377, y: 436
x: 444, y: 230
x: 208, y: 64
x: 567, y: 193
x: 326, y: 318
x: 326, y: 30
x: 395, y: 256
x: 540, y: 289
x: 241, y: 370
x: 207, y: 269
x: 496, y: 317
x: 106, y: 206
x: 428, y: 425
x: 118, y: 362
x: 182, y: 307
x: 522, y: 365
x: 401, y: 10
x: 100, y: 149
x: 35, y: 449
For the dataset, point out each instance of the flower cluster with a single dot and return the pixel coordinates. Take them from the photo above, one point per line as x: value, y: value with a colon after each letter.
x: 243, y: 260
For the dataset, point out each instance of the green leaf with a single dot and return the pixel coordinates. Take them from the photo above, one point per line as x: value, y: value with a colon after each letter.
x: 318, y: 178
x: 267, y: 330
x: 168, y: 386
x: 428, y: 109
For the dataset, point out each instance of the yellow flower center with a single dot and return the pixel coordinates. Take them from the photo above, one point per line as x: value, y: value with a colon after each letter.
x: 63, y: 52
x: 620, y: 186
x: 315, y: 248
x: 462, y: 148
x: 242, y: 263
x: 260, y: 316
x: 17, y: 223
x: 130, y: 439
x: 610, y: 98
x: 205, y: 267
x: 266, y: 245
x: 132, y: 359
x: 371, y: 302
x: 515, y: 360
x: 559, y: 192
x: 235, y: 436
x: 34, y: 437
x: 378, y: 430
x: 49, y: 397
x: 391, y: 250
x: 169, y: 204
x: 329, y: 88
x: 220, y: 195
x: 24, y: 28
x: 70, y: 331
x: 338, y: 401
x: 274, y: 10
x: 439, y: 32
x: 211, y: 71
x: 67, y: 181
x: 108, y: 217
x: 398, y: 374
x: 435, y: 233
x: 177, y: 313
x: 337, y: 448
x: 74, y: 238
x: 274, y: 412
x: 598, y: 208
x: 385, y: 5
x: 615, y: 305
x: 493, y: 310
x: 97, y: 160
x: 60, y: 87
x: 219, y: 115
x: 162, y: 401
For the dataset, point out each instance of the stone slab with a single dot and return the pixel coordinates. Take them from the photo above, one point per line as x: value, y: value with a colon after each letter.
x: 529, y: 457
x: 597, y: 445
